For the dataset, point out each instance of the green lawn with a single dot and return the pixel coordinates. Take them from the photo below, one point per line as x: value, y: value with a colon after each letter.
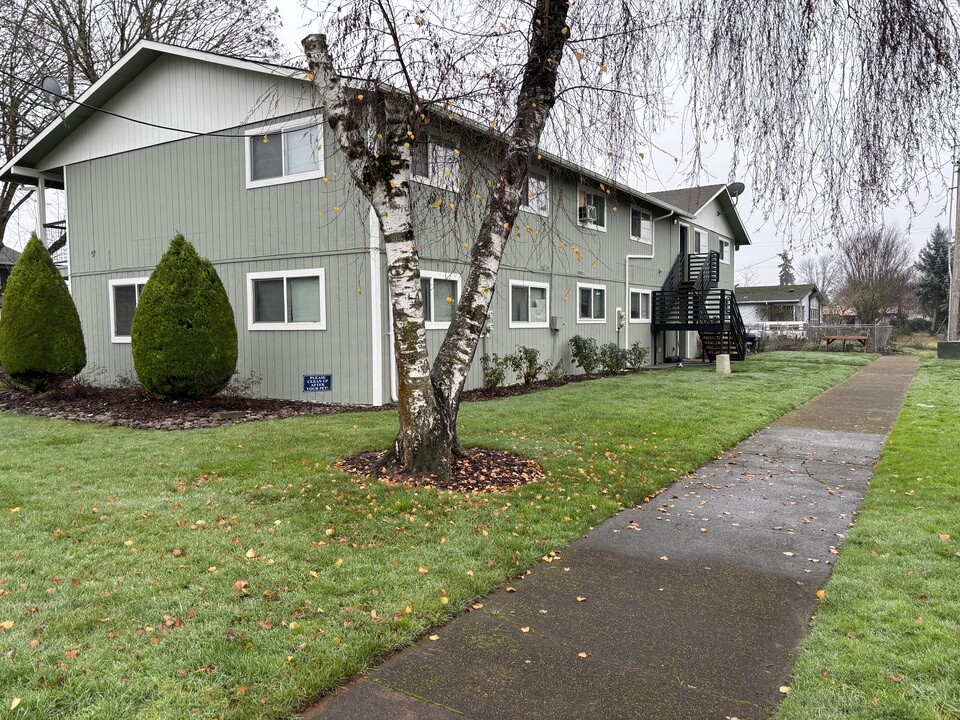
x: 886, y: 638
x: 235, y: 573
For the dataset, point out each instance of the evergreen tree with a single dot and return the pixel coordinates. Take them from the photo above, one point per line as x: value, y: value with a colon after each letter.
x: 41, y: 341
x: 184, y: 338
x: 933, y: 277
x: 786, y: 268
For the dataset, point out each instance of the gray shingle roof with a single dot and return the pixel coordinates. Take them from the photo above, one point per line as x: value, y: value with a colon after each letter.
x: 774, y: 293
x: 8, y: 256
x: 690, y: 199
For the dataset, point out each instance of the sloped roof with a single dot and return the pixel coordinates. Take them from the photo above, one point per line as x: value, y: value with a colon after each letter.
x: 8, y: 256
x: 21, y: 168
x: 694, y: 199
x: 775, y: 293
x: 691, y: 199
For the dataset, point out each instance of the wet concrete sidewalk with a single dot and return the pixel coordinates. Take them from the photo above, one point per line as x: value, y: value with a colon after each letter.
x: 690, y: 606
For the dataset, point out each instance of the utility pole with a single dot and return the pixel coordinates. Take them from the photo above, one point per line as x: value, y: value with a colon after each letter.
x: 953, y: 307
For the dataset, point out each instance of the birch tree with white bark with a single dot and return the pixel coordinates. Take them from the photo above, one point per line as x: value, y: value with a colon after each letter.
x: 829, y: 105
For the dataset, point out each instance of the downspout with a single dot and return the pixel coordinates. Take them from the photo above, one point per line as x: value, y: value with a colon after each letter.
x: 626, y: 281
x: 376, y: 312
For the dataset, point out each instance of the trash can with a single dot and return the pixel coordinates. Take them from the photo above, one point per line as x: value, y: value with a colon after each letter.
x: 751, y: 342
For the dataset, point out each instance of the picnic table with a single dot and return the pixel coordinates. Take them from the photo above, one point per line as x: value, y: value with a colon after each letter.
x: 830, y: 339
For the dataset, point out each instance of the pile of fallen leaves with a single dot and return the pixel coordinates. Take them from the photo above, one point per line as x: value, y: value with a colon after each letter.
x: 480, y: 471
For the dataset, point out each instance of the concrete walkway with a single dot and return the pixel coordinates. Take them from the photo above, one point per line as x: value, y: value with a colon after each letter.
x: 694, y: 603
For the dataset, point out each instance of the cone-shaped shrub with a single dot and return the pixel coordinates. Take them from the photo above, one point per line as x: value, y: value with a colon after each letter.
x: 41, y: 342
x: 184, y: 339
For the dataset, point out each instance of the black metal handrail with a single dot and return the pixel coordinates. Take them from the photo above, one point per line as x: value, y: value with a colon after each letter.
x: 736, y: 326
x: 704, y: 270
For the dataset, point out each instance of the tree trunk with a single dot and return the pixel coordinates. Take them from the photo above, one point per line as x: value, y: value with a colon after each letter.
x: 422, y: 446
x: 549, y: 33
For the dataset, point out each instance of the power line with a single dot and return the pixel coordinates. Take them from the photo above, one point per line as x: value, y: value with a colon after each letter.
x: 192, y: 133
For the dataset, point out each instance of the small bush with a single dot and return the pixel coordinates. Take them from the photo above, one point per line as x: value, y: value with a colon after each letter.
x: 555, y: 374
x: 586, y: 353
x: 613, y: 358
x: 525, y: 362
x: 41, y: 342
x: 494, y: 370
x: 184, y: 339
x: 637, y: 355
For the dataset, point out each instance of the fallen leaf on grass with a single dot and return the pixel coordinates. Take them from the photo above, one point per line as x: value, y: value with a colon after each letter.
x: 14, y: 704
x: 71, y: 653
x: 424, y: 569
x: 251, y: 553
x: 444, y: 600
x: 242, y: 689
x: 821, y: 594
x: 785, y: 689
x: 6, y: 624
x: 895, y: 678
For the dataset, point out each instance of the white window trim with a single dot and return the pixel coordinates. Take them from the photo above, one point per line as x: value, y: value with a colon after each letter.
x: 283, y: 275
x: 114, y: 338
x: 606, y: 209
x: 640, y: 321
x: 434, y: 275
x: 636, y: 239
x: 525, y: 207
x: 435, y: 182
x: 528, y: 324
x: 725, y: 257
x: 696, y: 241
x: 284, y: 127
x: 592, y: 321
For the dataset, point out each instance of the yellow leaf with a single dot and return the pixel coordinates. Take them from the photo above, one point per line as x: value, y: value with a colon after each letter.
x: 339, y: 562
x: 434, y: 637
x: 15, y: 509
x: 309, y: 76
x: 251, y: 553
x: 580, y: 598
x: 360, y: 98
x: 212, y: 568
x: 408, y: 610
x: 788, y: 554
x: 444, y: 601
x: 293, y: 625
x: 14, y: 704
x: 583, y: 655
x: 785, y: 689
x: 525, y: 629
x: 821, y: 594
x: 6, y: 624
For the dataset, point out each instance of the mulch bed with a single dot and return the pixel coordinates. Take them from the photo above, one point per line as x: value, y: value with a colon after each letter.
x: 480, y: 471
x: 132, y: 407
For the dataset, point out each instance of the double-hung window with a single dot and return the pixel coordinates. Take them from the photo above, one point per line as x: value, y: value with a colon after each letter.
x: 124, y: 296
x: 529, y: 303
x: 640, y: 306
x: 592, y: 307
x: 440, y: 292
x: 641, y: 230
x: 284, y: 153
x: 592, y: 209
x: 286, y: 300
x: 436, y: 164
x: 725, y: 251
x: 536, y: 196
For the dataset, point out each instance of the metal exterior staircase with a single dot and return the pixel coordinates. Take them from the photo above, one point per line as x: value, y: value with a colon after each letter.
x: 690, y: 300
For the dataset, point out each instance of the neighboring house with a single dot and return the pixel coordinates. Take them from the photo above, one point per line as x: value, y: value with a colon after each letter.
x: 8, y: 258
x: 253, y: 178
x: 780, y: 304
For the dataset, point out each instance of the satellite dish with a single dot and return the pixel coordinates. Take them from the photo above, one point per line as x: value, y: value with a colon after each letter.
x: 52, y: 92
x: 736, y: 189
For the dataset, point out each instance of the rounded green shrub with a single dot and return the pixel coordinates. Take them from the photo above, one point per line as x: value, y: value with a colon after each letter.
x: 184, y: 339
x: 41, y: 342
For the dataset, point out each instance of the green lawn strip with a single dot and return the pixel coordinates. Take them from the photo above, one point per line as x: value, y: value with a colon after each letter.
x: 885, y: 641
x: 236, y: 573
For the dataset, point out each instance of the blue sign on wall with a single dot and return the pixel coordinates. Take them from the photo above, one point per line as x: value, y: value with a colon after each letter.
x: 317, y: 383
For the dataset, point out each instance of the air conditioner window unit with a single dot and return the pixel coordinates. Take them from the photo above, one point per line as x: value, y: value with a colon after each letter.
x: 588, y: 213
